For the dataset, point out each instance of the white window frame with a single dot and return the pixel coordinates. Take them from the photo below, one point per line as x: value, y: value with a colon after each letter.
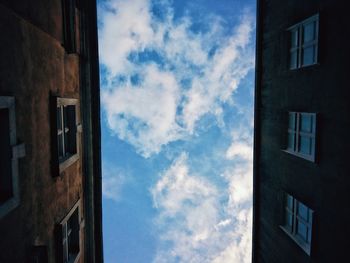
x: 292, y: 231
x: 18, y: 151
x: 299, y: 49
x: 298, y: 134
x: 63, y: 225
x: 69, y: 159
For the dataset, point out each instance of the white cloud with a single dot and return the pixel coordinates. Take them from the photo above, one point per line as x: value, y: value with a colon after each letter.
x: 194, y: 76
x: 113, y: 182
x: 194, y: 224
x: 159, y: 108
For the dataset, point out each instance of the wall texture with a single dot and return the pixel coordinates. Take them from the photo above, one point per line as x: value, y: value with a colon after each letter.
x: 324, y: 185
x: 33, y: 66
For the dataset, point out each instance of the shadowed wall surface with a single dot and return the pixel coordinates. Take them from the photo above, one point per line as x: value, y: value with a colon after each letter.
x: 322, y: 88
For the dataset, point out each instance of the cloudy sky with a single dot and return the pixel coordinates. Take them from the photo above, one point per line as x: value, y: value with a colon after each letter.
x: 177, y: 82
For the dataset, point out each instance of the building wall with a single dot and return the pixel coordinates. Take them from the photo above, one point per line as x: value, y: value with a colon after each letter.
x: 323, y: 185
x: 33, y: 66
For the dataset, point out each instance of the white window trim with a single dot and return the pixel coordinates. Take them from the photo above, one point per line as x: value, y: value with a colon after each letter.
x: 81, y: 225
x: 18, y: 151
x: 311, y: 157
x: 300, y: 45
x: 75, y: 157
x: 292, y: 234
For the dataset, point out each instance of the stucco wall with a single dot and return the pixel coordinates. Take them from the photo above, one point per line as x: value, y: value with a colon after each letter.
x: 34, y: 65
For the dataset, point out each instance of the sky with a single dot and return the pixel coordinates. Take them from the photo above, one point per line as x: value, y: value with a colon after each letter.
x: 177, y: 84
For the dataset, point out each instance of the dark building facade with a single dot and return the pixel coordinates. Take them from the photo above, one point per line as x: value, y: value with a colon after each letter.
x: 50, y: 161
x: 302, y: 146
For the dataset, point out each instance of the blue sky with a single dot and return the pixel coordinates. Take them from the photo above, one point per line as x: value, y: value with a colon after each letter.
x: 177, y: 83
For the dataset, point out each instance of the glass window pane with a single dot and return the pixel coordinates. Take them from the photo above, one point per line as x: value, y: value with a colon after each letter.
x: 60, y: 145
x: 308, y: 57
x: 289, y: 202
x: 306, y: 122
x: 302, y: 230
x: 59, y: 118
x: 289, y: 219
x: 302, y: 211
x: 292, y: 121
x: 65, y: 124
x: 309, y: 32
x: 291, y: 141
x: 294, y: 38
x: 293, y: 63
x: 305, y: 145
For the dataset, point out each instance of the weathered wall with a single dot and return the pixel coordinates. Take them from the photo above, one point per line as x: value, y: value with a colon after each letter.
x: 324, y: 89
x: 34, y: 64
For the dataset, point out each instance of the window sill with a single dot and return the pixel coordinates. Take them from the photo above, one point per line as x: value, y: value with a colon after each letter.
x: 7, y: 206
x: 304, y: 67
x: 75, y: 259
x: 64, y: 164
x: 306, y: 247
x: 306, y: 157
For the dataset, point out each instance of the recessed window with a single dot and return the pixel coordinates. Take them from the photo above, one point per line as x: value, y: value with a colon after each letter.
x: 304, y: 43
x: 302, y: 134
x: 298, y: 222
x: 69, y: 236
x: 64, y: 133
x: 10, y: 152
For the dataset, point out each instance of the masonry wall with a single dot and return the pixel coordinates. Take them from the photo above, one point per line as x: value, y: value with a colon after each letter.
x: 33, y: 66
x: 323, y: 185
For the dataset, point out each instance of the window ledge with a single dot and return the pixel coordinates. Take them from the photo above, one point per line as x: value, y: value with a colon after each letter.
x: 301, y: 243
x: 8, y: 206
x: 76, y: 258
x: 304, y: 67
x: 306, y: 157
x: 68, y: 162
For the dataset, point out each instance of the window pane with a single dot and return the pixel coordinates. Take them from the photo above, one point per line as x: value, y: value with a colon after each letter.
x: 302, y: 211
x: 65, y: 124
x: 59, y: 118
x: 73, y: 239
x: 302, y: 230
x: 308, y: 57
x: 291, y: 141
x: 6, y: 191
x: 306, y: 122
x: 292, y: 121
x: 305, y: 145
x: 60, y: 145
x: 289, y: 220
x: 294, y: 38
x: 71, y: 136
x: 290, y: 202
x: 309, y: 32
x: 293, y: 63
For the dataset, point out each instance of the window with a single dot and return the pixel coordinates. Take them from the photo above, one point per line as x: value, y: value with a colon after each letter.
x: 64, y: 133
x: 298, y: 222
x: 9, y: 155
x: 69, y: 25
x: 68, y: 233
x: 301, y: 135
x: 304, y: 43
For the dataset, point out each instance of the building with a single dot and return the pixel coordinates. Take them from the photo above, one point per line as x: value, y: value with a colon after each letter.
x: 50, y: 161
x: 302, y: 146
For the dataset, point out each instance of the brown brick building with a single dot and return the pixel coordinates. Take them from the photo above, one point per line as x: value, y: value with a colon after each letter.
x: 50, y: 168
x: 302, y: 146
